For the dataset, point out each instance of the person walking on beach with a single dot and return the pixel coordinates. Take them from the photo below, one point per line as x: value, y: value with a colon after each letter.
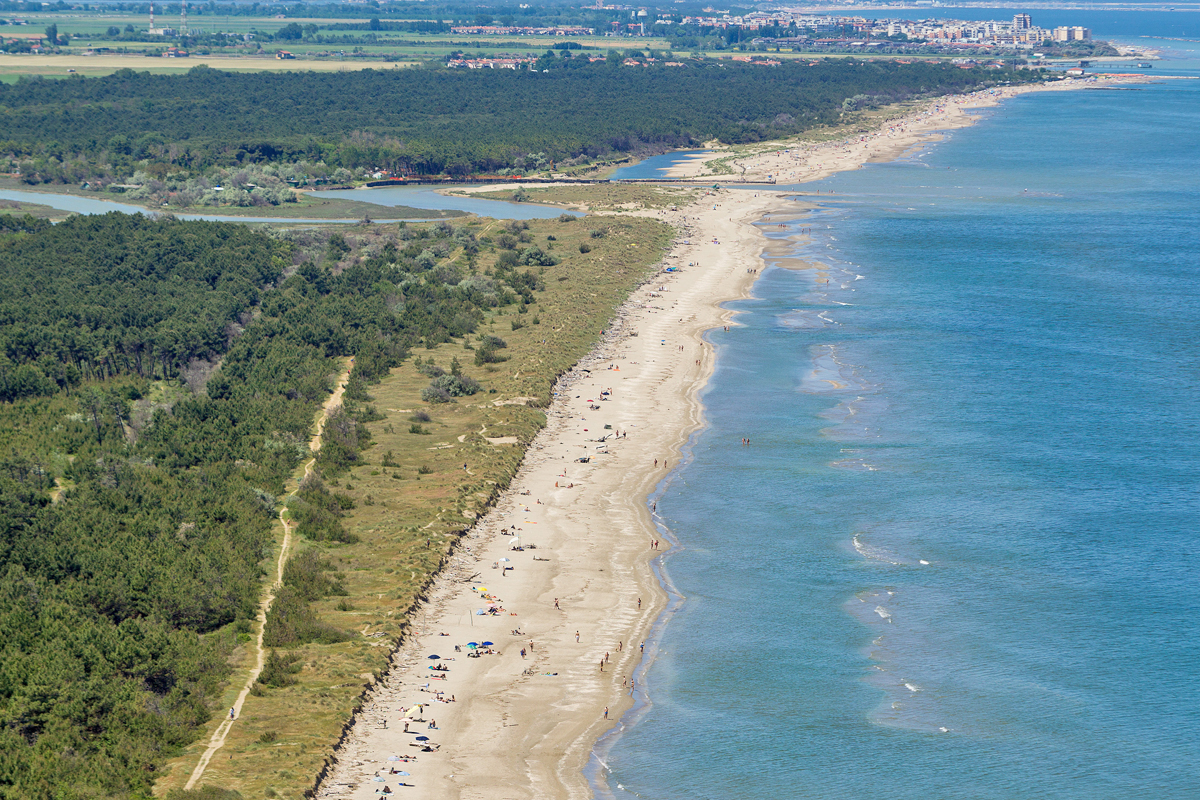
x: 606, y: 712
x: 577, y: 636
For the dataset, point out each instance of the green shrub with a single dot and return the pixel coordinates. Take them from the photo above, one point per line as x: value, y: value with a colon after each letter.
x: 279, y: 671
x: 455, y: 385
x: 318, y: 513
x: 291, y: 622
x: 309, y: 575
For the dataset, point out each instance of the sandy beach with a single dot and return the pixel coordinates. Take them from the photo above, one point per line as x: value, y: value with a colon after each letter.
x: 580, y: 589
x: 567, y: 613
x: 797, y: 163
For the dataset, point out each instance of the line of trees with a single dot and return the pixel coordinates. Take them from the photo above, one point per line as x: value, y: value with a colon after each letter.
x: 453, y: 122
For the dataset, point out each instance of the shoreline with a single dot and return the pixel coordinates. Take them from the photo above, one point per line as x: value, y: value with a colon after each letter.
x: 889, y: 139
x: 529, y: 724
x: 592, y: 533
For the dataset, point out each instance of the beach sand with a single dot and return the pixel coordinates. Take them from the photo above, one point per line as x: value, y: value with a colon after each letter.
x: 524, y: 726
x: 512, y: 734
x: 797, y: 163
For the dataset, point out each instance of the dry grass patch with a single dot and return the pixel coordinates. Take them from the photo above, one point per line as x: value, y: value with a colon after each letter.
x: 602, y: 196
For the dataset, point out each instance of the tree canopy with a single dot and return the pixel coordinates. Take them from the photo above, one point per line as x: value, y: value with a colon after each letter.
x: 444, y: 120
x: 121, y: 600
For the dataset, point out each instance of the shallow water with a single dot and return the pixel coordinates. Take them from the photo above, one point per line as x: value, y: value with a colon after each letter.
x: 655, y: 166
x: 958, y: 558
x: 426, y: 197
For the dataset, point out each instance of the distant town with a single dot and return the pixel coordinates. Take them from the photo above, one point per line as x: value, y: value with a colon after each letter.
x: 647, y: 34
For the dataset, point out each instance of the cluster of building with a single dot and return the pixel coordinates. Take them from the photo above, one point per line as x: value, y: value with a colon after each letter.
x: 510, y: 30
x: 1018, y: 32
x: 501, y: 62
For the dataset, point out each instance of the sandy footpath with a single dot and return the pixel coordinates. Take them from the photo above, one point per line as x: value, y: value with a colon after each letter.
x: 580, y: 591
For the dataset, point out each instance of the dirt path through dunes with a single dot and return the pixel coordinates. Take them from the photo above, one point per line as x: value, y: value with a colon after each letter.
x: 218, y: 737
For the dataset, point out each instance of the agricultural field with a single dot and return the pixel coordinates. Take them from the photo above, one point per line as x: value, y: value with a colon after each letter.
x: 61, y: 66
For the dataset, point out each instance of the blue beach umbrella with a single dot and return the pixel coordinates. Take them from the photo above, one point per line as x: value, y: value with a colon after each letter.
x: 486, y: 644
x: 405, y: 774
x: 422, y: 738
x: 434, y: 657
x: 379, y: 779
x: 472, y: 645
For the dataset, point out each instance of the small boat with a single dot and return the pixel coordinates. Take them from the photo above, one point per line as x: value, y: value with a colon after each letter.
x: 1144, y: 65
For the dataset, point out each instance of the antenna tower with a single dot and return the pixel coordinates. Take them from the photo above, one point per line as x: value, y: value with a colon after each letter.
x: 152, y: 18
x: 183, y: 30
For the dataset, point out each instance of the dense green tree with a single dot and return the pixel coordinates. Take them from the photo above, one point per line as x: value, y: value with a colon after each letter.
x: 120, y: 602
x: 439, y: 121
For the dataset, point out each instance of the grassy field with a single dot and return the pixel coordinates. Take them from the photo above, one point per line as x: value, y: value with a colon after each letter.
x: 18, y: 208
x: 602, y: 196
x: 409, y: 511
x: 51, y: 66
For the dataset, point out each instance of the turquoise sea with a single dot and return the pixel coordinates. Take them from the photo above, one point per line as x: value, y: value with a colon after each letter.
x: 960, y: 557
